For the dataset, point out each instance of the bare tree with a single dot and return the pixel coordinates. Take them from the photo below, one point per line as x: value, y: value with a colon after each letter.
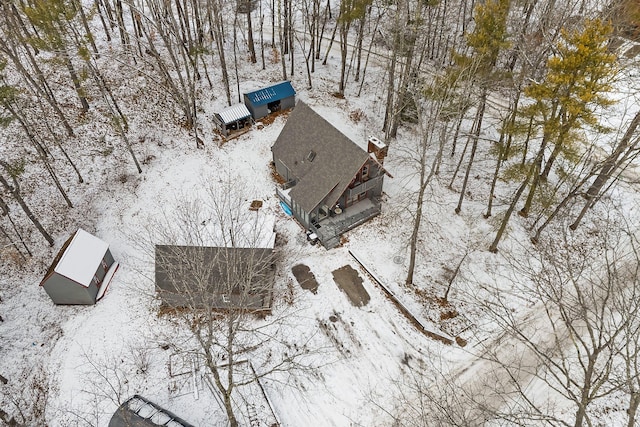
x: 12, y: 186
x: 27, y: 397
x: 582, y: 309
x: 425, y: 169
x: 215, y: 275
x: 625, y: 150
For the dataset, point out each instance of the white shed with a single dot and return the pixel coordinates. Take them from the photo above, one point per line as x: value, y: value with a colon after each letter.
x: 81, y: 271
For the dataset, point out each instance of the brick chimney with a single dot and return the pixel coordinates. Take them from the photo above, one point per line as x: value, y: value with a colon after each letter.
x: 377, y: 148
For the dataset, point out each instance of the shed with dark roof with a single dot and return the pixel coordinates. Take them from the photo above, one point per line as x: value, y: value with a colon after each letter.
x: 330, y: 183
x: 267, y: 100
x: 140, y: 412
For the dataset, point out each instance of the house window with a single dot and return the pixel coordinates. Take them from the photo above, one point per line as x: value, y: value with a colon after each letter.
x: 225, y: 298
x: 311, y: 155
x: 365, y: 172
x: 104, y: 265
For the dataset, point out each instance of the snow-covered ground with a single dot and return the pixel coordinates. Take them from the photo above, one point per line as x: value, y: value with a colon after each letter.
x: 362, y: 361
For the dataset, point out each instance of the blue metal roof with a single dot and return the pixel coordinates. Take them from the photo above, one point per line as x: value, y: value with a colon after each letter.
x: 268, y: 94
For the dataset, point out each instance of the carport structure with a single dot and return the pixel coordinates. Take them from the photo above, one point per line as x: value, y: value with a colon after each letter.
x: 232, y: 119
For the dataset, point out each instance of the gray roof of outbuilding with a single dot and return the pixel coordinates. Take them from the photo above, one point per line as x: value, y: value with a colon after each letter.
x: 337, y: 158
x: 140, y: 412
x: 194, y: 276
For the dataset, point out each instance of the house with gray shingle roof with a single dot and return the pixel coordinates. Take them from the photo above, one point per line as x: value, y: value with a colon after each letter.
x: 330, y: 184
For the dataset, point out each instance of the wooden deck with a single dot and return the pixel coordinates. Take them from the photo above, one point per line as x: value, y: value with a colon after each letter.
x: 330, y: 228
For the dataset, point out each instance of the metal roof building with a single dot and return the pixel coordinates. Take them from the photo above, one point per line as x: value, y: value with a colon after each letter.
x: 262, y: 102
x: 232, y: 118
x: 140, y: 412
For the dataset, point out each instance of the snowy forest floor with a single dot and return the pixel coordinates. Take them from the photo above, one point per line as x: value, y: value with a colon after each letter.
x: 368, y: 364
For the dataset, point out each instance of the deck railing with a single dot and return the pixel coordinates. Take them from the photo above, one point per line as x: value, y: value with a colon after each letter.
x: 365, y: 186
x: 329, y: 231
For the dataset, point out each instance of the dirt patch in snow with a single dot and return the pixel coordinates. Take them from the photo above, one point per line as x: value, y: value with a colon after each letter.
x: 305, y: 278
x: 350, y: 282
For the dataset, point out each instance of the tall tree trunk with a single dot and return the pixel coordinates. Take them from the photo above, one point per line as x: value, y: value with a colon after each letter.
x: 219, y: 37
x: 514, y: 201
x: 119, y: 119
x: 124, y: 35
x: 454, y: 142
x: 401, y: 98
x: 608, y: 166
x: 252, y: 48
x: 503, y: 226
x: 425, y: 179
x: 552, y: 158
x: 235, y: 56
x: 503, y: 152
x: 344, y: 36
x: 285, y: 27
x: 327, y: 12
x: 75, y: 79
x: 14, y: 190
x: 85, y: 25
x: 56, y: 141
x: 104, y: 24
x: 366, y: 61
x: 571, y: 195
x: 4, y: 211
x: 625, y: 152
x: 15, y: 246
x: 262, y: 37
x: 43, y: 158
x: 632, y: 410
x: 474, y: 146
x: 388, y: 111
x: 331, y: 40
x: 40, y: 86
x: 458, y: 165
x: 413, y: 242
x: 356, y: 77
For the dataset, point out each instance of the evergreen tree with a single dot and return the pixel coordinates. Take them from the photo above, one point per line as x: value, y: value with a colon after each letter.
x: 52, y: 18
x: 578, y: 77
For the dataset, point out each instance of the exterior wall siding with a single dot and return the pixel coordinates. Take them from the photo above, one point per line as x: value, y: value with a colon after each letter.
x: 287, y: 103
x: 300, y: 214
x: 108, y: 258
x: 64, y: 291
x: 257, y: 111
x: 260, y: 111
x: 282, y: 170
